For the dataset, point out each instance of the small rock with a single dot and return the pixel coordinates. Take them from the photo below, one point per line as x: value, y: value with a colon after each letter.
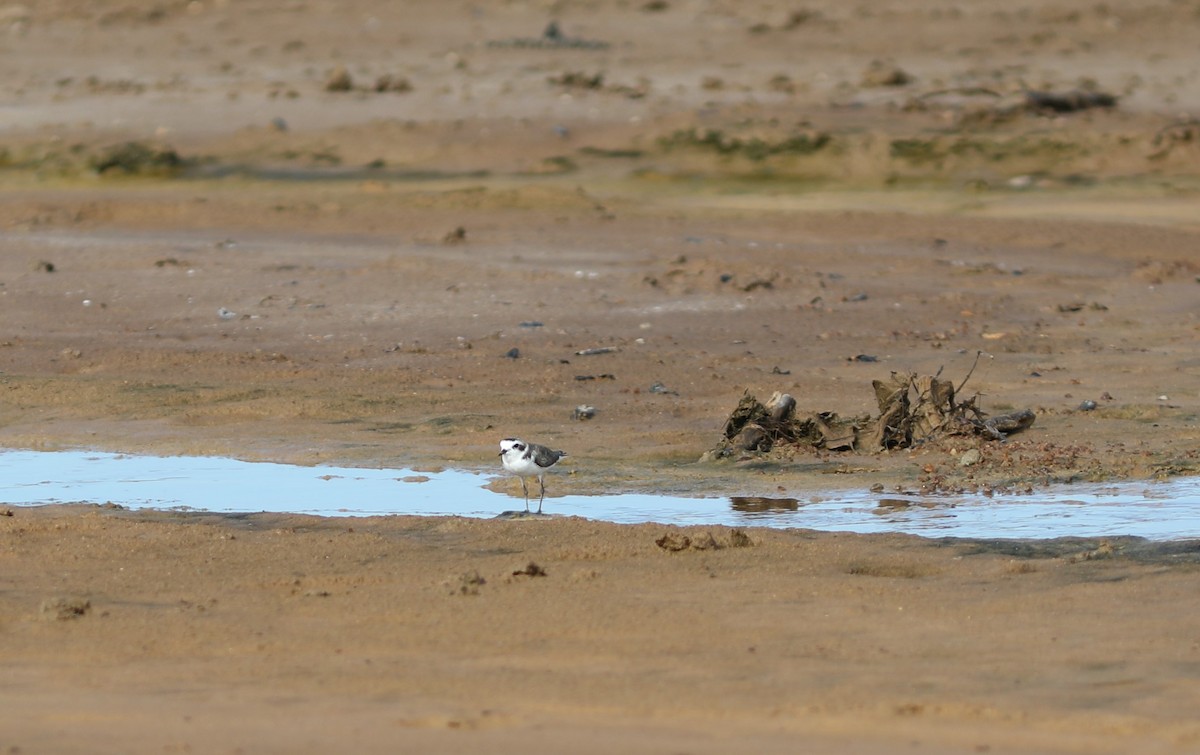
x: 339, y: 81
x: 739, y: 539
x: 390, y: 83
x: 758, y: 283
x: 674, y: 543
x: 1087, y: 406
x: 882, y: 74
x: 781, y: 406
x: 467, y: 583
x: 714, y: 455
x: 531, y: 570
x: 65, y: 609
x: 513, y: 353
x: 578, y: 80
x: 970, y: 458
x: 753, y: 437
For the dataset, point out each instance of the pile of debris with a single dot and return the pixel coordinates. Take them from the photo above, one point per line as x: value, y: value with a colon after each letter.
x: 912, y: 410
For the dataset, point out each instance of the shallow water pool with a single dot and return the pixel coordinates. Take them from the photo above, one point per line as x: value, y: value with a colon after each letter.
x: 1158, y: 511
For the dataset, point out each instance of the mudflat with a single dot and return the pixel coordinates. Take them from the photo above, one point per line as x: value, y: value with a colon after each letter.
x: 380, y: 235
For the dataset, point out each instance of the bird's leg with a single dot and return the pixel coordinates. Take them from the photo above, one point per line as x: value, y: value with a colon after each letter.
x: 525, y: 487
x: 542, y: 485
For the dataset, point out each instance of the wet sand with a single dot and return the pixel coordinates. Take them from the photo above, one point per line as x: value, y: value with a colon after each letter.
x: 726, y: 198
x: 273, y: 633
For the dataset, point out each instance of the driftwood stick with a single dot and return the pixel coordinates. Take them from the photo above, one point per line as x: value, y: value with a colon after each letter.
x: 970, y: 371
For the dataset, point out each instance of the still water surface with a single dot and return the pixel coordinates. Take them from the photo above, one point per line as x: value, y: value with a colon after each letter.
x: 1159, y: 511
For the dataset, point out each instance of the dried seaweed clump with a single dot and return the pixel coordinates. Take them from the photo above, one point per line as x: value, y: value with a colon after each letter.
x: 912, y: 410
x: 138, y: 159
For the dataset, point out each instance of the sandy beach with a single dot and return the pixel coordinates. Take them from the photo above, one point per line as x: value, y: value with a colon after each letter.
x: 389, y: 235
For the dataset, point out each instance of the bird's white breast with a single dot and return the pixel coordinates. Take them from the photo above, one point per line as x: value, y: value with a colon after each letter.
x: 514, y: 462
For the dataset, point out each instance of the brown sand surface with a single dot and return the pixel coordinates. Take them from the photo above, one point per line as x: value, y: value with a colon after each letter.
x: 400, y: 269
x: 286, y: 633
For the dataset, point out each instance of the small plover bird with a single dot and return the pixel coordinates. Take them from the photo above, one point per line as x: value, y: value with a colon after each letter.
x: 528, y: 460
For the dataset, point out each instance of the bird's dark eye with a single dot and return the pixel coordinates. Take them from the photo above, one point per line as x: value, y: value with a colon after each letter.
x: 519, y: 446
